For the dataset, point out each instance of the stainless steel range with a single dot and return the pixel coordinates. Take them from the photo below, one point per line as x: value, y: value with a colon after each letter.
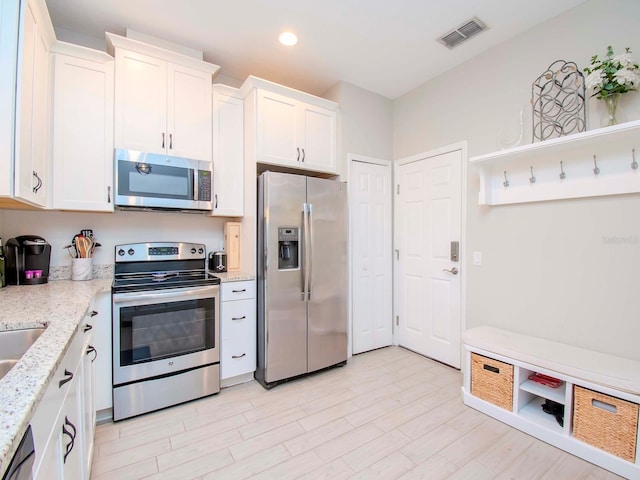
x: 166, y: 314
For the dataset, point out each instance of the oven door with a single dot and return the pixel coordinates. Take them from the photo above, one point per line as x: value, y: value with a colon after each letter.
x: 162, y: 332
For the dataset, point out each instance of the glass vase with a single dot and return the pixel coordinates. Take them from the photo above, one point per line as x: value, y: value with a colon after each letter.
x: 611, y: 101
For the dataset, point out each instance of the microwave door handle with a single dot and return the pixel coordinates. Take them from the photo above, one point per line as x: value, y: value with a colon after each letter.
x: 196, y: 184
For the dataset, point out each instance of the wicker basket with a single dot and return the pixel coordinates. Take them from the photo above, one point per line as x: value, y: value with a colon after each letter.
x: 606, y: 422
x: 492, y: 381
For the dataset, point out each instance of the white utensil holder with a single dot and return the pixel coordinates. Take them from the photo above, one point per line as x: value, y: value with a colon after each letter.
x: 81, y: 268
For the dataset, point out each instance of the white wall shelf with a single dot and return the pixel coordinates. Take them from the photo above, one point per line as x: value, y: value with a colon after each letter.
x: 613, y: 149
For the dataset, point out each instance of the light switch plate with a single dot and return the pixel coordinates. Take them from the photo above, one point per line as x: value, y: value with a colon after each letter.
x: 477, y: 258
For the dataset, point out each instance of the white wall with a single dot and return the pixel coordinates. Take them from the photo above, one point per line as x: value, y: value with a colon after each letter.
x: 365, y: 126
x: 58, y: 228
x: 564, y: 270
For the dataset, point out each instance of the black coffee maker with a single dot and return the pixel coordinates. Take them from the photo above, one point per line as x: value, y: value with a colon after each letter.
x: 27, y: 260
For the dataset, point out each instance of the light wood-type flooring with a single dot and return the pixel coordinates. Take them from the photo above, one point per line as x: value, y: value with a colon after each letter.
x: 388, y: 414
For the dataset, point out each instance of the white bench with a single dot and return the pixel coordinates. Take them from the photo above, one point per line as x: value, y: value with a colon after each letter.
x: 610, y: 375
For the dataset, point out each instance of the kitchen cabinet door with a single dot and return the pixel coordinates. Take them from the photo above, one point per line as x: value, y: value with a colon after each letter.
x: 318, y: 137
x: 189, y: 112
x: 276, y: 130
x: 9, y: 21
x: 32, y: 108
x: 90, y: 355
x: 83, y: 132
x: 141, y: 102
x: 102, y: 333
x: 228, y: 154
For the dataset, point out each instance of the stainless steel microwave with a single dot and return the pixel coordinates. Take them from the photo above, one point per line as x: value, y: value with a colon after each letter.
x: 153, y: 181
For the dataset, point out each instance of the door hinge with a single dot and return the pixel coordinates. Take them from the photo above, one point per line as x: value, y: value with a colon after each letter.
x: 398, y: 189
x: 397, y: 320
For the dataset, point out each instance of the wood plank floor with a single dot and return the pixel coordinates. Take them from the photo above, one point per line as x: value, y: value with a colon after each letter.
x: 388, y: 414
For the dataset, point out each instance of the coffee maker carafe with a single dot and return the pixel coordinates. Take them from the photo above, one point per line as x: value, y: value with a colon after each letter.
x: 27, y: 260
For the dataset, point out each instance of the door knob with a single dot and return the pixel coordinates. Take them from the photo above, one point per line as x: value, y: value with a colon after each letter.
x: 454, y: 270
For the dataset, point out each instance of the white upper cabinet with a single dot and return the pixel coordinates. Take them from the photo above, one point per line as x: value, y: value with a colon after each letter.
x: 32, y: 104
x: 9, y: 21
x: 228, y: 152
x: 162, y: 100
x: 82, y: 129
x: 291, y: 128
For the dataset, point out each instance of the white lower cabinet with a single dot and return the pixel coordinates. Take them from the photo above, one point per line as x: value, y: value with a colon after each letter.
x: 102, y: 334
x: 237, y: 332
x: 63, y: 423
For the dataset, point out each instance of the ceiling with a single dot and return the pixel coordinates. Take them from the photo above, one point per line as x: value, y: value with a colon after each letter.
x: 387, y: 47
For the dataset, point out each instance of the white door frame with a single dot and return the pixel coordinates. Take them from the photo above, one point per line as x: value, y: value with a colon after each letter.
x: 462, y: 147
x: 353, y: 157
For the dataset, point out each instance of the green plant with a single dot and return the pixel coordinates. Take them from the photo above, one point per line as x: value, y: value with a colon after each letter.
x: 614, y: 74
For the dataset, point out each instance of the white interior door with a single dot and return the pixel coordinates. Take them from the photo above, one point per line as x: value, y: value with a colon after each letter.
x: 371, y: 256
x: 428, y: 281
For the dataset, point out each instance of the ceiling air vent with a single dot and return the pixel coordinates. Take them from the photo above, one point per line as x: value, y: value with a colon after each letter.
x: 465, y: 31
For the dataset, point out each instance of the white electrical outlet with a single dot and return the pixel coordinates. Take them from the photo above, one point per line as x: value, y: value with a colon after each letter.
x: 477, y: 258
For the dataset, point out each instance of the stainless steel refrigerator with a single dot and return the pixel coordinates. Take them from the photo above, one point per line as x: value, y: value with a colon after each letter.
x: 302, y: 276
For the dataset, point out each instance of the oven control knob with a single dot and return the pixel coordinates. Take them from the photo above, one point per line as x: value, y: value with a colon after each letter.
x: 131, y: 251
x: 201, y: 250
x: 121, y: 252
x: 193, y: 250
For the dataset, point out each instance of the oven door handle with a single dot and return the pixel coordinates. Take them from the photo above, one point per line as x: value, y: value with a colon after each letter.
x: 183, y: 294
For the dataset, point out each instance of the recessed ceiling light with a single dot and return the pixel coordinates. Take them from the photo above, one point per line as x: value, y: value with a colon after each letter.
x: 288, y: 38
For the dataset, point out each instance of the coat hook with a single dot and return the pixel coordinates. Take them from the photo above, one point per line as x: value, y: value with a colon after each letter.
x: 506, y: 180
x: 562, y: 174
x: 634, y: 164
x: 532, y: 178
x: 596, y: 170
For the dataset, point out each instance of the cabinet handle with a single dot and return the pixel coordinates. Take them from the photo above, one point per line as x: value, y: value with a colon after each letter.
x: 87, y: 327
x: 68, y: 378
x: 491, y: 368
x: 238, y: 356
x: 238, y: 318
x: 93, y: 313
x: 162, y: 139
x: 91, y: 349
x: 109, y: 194
x: 38, y: 182
x: 303, y: 155
x: 298, y: 157
x: 171, y: 141
x: 239, y: 291
x: 216, y: 200
x: 72, y: 437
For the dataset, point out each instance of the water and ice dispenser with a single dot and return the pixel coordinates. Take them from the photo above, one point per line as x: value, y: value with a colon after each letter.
x: 288, y: 248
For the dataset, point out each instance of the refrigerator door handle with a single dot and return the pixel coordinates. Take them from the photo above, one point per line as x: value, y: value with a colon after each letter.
x: 310, y: 243
x: 303, y: 256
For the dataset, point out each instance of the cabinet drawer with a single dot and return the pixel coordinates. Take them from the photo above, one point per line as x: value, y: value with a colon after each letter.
x: 606, y: 422
x: 492, y: 381
x: 237, y: 357
x: 237, y: 290
x: 238, y: 319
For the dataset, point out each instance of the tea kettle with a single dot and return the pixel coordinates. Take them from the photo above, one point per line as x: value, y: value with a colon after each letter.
x: 218, y: 262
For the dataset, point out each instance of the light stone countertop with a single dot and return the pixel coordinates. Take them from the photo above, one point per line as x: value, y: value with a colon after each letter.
x: 62, y: 304
x: 234, y: 276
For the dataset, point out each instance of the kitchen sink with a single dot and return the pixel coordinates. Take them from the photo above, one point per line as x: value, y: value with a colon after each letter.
x: 13, y: 344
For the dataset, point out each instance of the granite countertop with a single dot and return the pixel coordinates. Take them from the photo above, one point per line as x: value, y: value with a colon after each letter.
x: 62, y: 305
x: 234, y: 276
